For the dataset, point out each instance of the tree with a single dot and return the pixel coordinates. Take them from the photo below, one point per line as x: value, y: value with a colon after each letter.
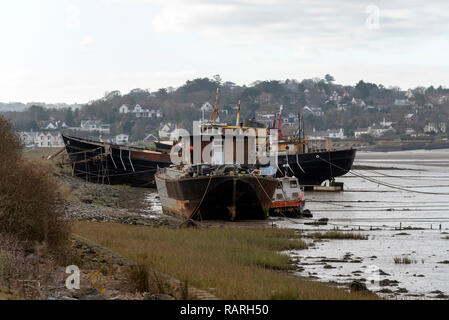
x: 217, y: 79
x: 69, y: 118
x: 250, y: 94
x: 329, y: 78
x: 364, y: 89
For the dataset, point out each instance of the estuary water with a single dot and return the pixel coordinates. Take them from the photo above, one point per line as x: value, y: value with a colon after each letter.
x: 401, y: 201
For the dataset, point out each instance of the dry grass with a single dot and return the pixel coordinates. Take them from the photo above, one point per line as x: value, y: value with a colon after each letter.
x: 338, y: 235
x: 231, y: 263
x: 39, y: 153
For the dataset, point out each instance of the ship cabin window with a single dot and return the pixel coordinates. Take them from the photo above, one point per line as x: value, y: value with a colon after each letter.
x: 279, y: 196
x: 295, y: 195
x: 293, y: 184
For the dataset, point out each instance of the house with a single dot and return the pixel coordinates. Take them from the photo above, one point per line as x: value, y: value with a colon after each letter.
x: 42, y: 139
x: 207, y: 107
x: 378, y: 131
x: 385, y: 123
x: 329, y: 134
x: 53, y: 125
x: 358, y: 102
x: 122, y: 139
x: 317, y: 111
x: 374, y: 131
x: 291, y: 120
x: 95, y: 126
x: 140, y: 112
x: 433, y: 127
x: 335, y: 97
x: 166, y: 130
x: 336, y: 134
x: 124, y: 109
x: 267, y: 118
x: 342, y: 107
x: 150, y: 137
x: 401, y: 102
x: 410, y: 131
x: 361, y: 132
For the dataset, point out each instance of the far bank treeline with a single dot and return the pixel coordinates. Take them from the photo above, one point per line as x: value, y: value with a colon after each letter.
x: 182, y: 105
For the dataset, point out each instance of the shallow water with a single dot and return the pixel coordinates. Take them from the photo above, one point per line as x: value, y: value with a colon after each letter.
x: 418, y: 198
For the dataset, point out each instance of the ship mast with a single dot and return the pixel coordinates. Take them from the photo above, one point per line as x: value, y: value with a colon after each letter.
x: 280, y: 123
x: 214, y: 114
x: 237, y: 122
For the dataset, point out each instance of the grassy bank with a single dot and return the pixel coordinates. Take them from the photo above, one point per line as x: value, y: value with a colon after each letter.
x: 230, y: 263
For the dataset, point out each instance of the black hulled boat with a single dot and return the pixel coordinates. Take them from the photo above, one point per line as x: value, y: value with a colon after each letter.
x: 102, y: 162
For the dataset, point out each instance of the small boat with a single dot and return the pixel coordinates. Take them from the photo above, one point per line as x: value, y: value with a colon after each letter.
x: 288, y: 198
x: 215, y: 192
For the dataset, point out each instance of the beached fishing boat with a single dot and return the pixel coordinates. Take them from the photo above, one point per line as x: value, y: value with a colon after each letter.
x: 103, y: 162
x: 312, y: 161
x: 223, y: 192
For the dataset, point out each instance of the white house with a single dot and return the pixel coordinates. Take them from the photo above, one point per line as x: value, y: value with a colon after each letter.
x: 361, y: 132
x: 166, y: 130
x: 336, y: 134
x: 121, y: 139
x: 401, y: 102
x: 329, y: 134
x: 95, y: 126
x: 207, y: 107
x: 385, y: 123
x: 374, y: 131
x: 432, y: 127
x: 42, y: 139
x: 317, y: 111
x: 124, y: 109
x: 140, y: 112
x: 410, y: 131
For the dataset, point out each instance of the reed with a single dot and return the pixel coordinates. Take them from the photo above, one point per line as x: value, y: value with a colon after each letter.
x: 338, y: 235
x: 403, y: 260
x: 237, y: 263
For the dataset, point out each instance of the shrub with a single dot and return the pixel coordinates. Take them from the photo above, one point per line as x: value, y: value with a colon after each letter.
x: 29, y: 198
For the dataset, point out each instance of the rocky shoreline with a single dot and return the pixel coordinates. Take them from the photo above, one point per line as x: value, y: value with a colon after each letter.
x: 105, y: 203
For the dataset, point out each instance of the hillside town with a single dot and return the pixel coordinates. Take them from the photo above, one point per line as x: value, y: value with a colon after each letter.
x: 331, y: 111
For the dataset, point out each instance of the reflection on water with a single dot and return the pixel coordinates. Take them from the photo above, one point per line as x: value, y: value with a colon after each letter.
x: 418, y: 198
x: 153, y: 207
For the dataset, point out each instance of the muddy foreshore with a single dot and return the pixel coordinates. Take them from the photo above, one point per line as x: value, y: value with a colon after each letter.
x: 122, y: 204
x: 105, y: 203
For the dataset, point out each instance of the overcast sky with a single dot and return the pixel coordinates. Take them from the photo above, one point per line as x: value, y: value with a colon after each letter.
x: 74, y: 51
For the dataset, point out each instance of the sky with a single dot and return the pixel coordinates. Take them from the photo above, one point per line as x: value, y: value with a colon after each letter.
x: 74, y: 51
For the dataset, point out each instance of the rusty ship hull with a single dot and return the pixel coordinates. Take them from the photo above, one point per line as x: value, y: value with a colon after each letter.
x: 218, y: 197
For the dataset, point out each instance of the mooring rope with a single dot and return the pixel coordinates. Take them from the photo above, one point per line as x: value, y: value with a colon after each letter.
x: 381, y: 182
